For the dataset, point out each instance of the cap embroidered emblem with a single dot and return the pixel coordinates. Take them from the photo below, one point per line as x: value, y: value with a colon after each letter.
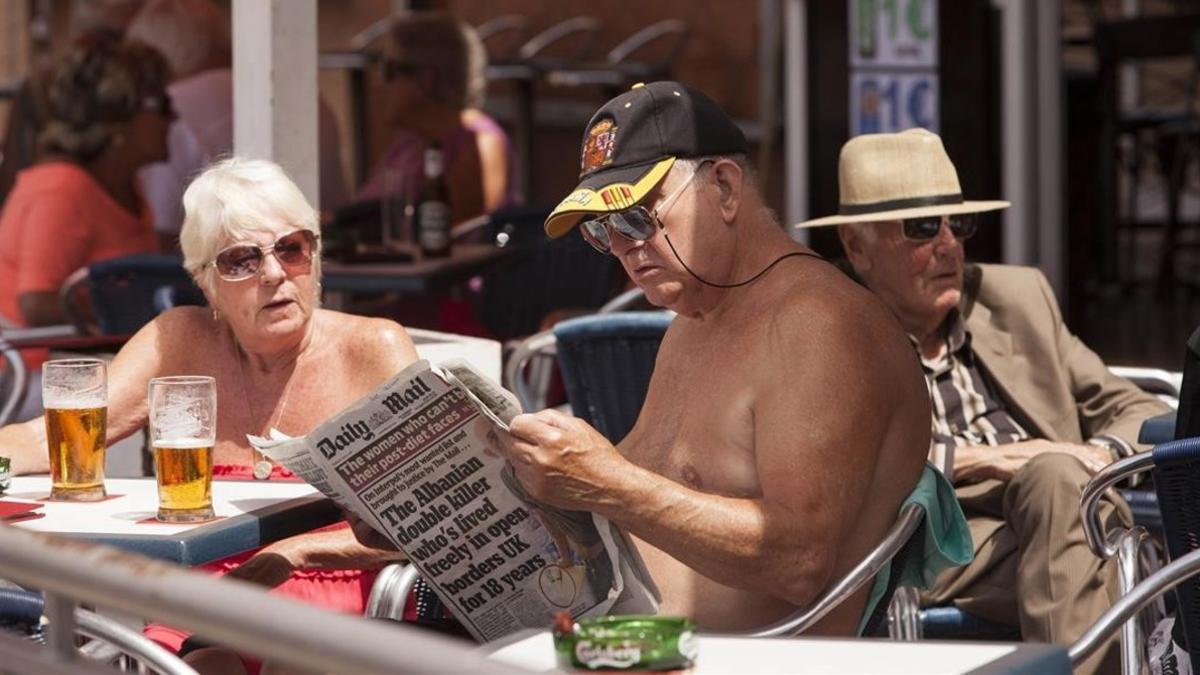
x: 599, y: 146
x: 617, y: 196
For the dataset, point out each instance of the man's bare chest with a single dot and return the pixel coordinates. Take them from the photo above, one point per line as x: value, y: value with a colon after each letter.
x: 697, y: 427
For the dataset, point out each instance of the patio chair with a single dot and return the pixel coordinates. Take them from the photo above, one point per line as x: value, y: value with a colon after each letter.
x: 606, y: 361
x: 103, y: 640
x: 1175, y: 466
x: 545, y: 276
x: 620, y: 70
x: 14, y: 381
x: 121, y: 292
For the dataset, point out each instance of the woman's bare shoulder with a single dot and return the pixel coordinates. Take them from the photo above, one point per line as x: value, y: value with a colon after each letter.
x: 369, y: 340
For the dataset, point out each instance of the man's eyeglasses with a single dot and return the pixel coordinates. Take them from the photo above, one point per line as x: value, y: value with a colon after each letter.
x: 962, y: 226
x: 242, y: 261
x: 636, y: 223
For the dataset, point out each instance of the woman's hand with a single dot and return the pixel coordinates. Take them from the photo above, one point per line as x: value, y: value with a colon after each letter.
x: 328, y: 549
x: 274, y: 564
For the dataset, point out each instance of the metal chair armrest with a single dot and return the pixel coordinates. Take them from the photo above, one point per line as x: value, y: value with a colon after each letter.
x: 587, y: 26
x: 647, y: 35
x: 907, y: 522
x: 68, y: 299
x: 1101, y: 543
x: 1130, y: 604
x: 390, y: 592
x: 20, y: 380
x: 130, y: 642
x: 514, y: 380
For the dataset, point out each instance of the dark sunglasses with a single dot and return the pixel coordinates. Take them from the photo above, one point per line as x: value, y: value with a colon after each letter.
x: 636, y: 223
x: 242, y: 261
x: 962, y: 226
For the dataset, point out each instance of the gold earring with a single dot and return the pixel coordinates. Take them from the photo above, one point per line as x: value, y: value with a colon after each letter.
x: 216, y: 314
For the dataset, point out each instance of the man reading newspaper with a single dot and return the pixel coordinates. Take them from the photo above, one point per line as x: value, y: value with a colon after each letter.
x: 787, y: 419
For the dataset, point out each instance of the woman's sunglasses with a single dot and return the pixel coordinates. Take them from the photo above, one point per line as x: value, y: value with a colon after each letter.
x: 242, y: 261
x: 962, y: 226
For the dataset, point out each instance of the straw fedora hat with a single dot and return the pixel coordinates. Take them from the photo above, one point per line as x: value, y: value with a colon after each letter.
x: 896, y: 176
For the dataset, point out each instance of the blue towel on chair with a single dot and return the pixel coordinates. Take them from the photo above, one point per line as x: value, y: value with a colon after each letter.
x: 945, y: 539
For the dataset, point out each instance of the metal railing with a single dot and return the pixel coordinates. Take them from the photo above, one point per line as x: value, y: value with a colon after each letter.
x: 231, y: 613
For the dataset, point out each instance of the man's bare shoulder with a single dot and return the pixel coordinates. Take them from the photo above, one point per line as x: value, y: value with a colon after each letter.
x: 820, y: 296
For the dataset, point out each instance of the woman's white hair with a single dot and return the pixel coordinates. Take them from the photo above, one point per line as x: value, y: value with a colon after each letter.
x: 233, y: 198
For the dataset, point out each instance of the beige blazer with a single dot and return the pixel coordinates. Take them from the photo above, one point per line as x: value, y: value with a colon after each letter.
x: 1054, y: 385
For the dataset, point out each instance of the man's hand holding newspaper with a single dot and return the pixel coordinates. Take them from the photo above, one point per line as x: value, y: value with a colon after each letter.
x: 414, y: 463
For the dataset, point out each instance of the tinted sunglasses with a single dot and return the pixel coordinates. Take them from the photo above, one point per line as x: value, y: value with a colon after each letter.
x: 242, y: 261
x: 636, y: 223
x: 962, y: 226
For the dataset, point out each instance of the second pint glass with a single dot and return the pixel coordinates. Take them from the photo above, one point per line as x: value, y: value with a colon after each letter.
x: 183, y: 430
x: 75, y: 398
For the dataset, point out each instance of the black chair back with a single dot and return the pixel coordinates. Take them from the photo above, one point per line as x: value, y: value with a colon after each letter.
x: 122, y: 290
x: 547, y: 275
x: 606, y: 361
x: 1177, y: 483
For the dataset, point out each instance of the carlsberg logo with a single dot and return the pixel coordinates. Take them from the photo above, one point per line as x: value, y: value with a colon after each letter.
x: 607, y: 655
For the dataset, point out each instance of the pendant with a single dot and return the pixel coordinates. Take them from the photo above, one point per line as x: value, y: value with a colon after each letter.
x: 262, y: 469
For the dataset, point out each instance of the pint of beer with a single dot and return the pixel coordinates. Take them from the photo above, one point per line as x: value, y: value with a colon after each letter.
x: 183, y: 430
x: 75, y: 398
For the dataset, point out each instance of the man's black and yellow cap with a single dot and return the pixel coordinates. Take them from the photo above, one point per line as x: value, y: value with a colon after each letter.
x: 631, y: 143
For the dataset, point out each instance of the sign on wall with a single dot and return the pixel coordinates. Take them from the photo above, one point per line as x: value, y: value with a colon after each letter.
x: 893, y: 65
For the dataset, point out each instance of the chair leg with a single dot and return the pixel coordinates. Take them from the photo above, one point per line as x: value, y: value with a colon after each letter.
x: 904, y: 621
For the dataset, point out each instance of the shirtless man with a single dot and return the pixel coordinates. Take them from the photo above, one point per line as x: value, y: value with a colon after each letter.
x: 786, y: 420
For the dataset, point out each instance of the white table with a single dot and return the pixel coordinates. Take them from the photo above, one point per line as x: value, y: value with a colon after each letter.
x: 249, y: 514
x: 436, y: 347
x: 534, y: 650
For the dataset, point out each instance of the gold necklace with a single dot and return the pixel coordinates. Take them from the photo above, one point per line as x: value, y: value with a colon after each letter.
x: 260, y: 463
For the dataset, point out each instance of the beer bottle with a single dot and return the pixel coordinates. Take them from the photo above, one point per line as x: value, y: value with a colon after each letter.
x: 433, y: 207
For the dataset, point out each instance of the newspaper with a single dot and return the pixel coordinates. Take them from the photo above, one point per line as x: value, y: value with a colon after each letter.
x: 412, y: 459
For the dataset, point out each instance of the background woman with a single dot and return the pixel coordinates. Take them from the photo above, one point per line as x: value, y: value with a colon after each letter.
x: 433, y: 72
x: 81, y: 203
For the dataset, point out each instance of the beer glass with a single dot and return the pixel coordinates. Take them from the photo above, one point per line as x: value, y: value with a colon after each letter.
x: 183, y: 430
x: 75, y: 398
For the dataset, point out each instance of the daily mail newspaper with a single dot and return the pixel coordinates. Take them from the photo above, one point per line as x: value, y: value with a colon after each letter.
x: 412, y: 459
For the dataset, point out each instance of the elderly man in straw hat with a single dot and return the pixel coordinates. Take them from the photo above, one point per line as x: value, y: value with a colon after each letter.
x: 786, y: 421
x: 1023, y: 412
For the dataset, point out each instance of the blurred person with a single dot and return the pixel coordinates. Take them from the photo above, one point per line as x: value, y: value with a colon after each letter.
x: 1023, y: 412
x: 28, y: 109
x: 435, y: 86
x: 252, y: 243
x: 786, y: 420
x: 81, y: 202
x: 193, y: 35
